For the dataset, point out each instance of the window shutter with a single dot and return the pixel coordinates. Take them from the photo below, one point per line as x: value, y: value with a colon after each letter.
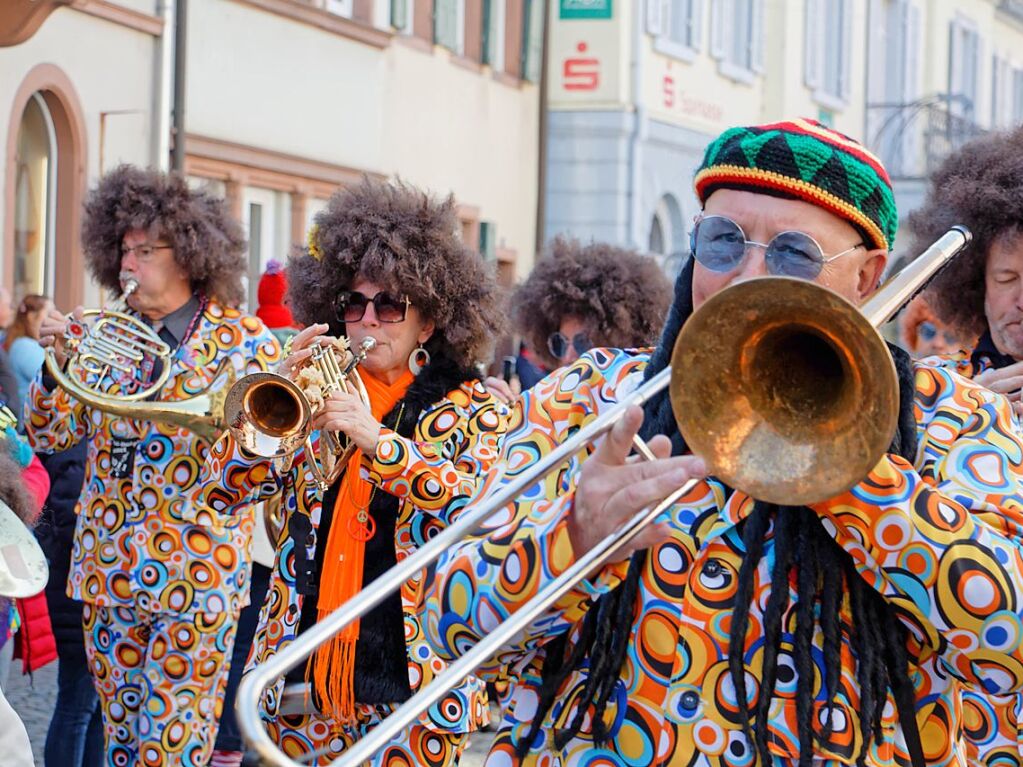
x: 532, y: 38
x: 911, y: 87
x: 399, y: 14
x: 717, y: 28
x: 444, y: 15
x: 955, y: 56
x: 486, y: 56
x: 812, y: 49
x: 757, y: 37
x: 655, y: 17
x: 696, y: 23
x: 845, y: 86
x: 488, y: 240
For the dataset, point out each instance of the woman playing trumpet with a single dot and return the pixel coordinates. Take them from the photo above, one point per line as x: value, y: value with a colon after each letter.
x: 383, y: 262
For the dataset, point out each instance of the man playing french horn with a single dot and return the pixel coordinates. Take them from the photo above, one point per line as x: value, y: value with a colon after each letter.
x: 162, y: 578
x: 737, y: 631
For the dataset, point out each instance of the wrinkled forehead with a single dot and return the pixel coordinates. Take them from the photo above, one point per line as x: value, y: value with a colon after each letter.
x: 1006, y: 252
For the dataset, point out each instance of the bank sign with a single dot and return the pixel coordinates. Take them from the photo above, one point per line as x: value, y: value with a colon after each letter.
x: 585, y: 9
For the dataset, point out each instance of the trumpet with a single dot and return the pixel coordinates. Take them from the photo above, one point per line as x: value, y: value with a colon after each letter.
x: 115, y: 348
x: 735, y: 358
x: 271, y: 416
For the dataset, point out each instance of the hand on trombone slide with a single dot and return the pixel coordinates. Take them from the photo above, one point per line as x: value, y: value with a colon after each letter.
x: 614, y: 487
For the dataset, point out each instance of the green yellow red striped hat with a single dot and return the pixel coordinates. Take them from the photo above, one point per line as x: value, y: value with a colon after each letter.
x: 805, y: 160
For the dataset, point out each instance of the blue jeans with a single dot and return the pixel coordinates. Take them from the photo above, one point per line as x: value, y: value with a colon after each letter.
x: 75, y: 737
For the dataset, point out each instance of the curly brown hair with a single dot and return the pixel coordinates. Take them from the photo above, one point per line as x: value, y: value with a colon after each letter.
x: 404, y: 240
x: 981, y: 186
x: 622, y: 296
x: 208, y: 244
x: 13, y: 490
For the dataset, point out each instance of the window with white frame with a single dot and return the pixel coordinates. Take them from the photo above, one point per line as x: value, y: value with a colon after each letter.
x: 449, y: 25
x: 493, y: 33
x: 828, y: 50
x: 737, y: 36
x: 402, y: 15
x: 964, y: 67
x: 677, y: 25
x: 340, y: 7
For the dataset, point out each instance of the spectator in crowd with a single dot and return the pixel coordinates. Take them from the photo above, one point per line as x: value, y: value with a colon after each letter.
x: 582, y: 296
x: 24, y: 353
x: 22, y: 489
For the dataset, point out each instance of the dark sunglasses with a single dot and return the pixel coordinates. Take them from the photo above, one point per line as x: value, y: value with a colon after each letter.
x: 557, y: 344
x: 351, y: 306
x: 719, y: 244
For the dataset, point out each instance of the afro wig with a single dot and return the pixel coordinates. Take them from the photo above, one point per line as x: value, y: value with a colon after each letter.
x: 404, y: 240
x: 981, y: 186
x: 208, y: 244
x: 622, y: 296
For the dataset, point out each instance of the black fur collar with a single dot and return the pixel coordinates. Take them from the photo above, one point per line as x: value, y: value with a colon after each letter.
x: 432, y: 385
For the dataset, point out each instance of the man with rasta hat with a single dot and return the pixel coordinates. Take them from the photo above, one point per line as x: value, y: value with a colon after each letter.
x: 736, y: 631
x: 162, y: 577
x: 980, y: 295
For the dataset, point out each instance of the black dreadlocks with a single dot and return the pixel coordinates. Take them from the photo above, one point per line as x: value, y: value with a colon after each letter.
x: 824, y: 574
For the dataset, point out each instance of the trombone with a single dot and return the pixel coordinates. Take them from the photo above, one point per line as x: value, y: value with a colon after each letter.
x: 731, y: 412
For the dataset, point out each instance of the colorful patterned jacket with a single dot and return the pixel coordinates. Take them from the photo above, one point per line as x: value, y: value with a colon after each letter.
x: 992, y: 724
x: 434, y: 473
x: 144, y: 538
x: 942, y: 537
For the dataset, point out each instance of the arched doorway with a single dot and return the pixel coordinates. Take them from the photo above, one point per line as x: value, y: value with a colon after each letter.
x: 35, y: 186
x: 44, y: 188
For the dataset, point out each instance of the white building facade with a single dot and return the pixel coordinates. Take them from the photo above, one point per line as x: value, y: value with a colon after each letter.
x: 637, y: 90
x: 285, y: 100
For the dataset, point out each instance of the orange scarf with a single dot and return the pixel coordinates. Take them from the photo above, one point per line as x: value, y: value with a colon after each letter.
x: 333, y: 665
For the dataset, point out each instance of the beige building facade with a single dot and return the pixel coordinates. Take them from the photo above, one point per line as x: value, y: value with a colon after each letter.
x: 637, y: 90
x: 285, y: 100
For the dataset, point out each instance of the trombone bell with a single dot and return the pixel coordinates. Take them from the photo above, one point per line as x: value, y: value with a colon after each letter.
x: 788, y: 392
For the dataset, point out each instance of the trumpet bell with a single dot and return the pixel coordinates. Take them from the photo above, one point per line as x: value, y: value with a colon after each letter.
x: 268, y: 415
x: 785, y: 389
x: 23, y: 570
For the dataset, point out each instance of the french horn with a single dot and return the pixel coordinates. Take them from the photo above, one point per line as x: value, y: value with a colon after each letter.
x: 109, y: 346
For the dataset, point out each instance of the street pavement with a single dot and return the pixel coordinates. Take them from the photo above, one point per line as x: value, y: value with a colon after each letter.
x: 33, y: 700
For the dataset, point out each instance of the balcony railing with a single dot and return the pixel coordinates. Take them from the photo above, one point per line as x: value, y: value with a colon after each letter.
x: 914, y: 138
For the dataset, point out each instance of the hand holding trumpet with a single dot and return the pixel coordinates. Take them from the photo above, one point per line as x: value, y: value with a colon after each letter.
x: 342, y: 410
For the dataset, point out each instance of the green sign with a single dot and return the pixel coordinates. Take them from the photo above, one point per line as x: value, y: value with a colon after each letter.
x: 585, y: 9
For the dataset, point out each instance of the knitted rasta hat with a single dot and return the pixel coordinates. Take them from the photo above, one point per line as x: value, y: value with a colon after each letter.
x: 805, y: 160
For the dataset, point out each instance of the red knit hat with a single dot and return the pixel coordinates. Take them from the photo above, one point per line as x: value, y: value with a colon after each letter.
x: 272, y: 287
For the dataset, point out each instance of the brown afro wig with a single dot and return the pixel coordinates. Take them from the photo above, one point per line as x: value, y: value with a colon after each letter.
x: 13, y: 490
x: 404, y: 240
x: 208, y: 244
x: 622, y: 296
x: 981, y: 186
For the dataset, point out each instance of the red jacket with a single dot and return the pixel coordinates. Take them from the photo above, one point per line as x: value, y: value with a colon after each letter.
x: 34, y: 642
